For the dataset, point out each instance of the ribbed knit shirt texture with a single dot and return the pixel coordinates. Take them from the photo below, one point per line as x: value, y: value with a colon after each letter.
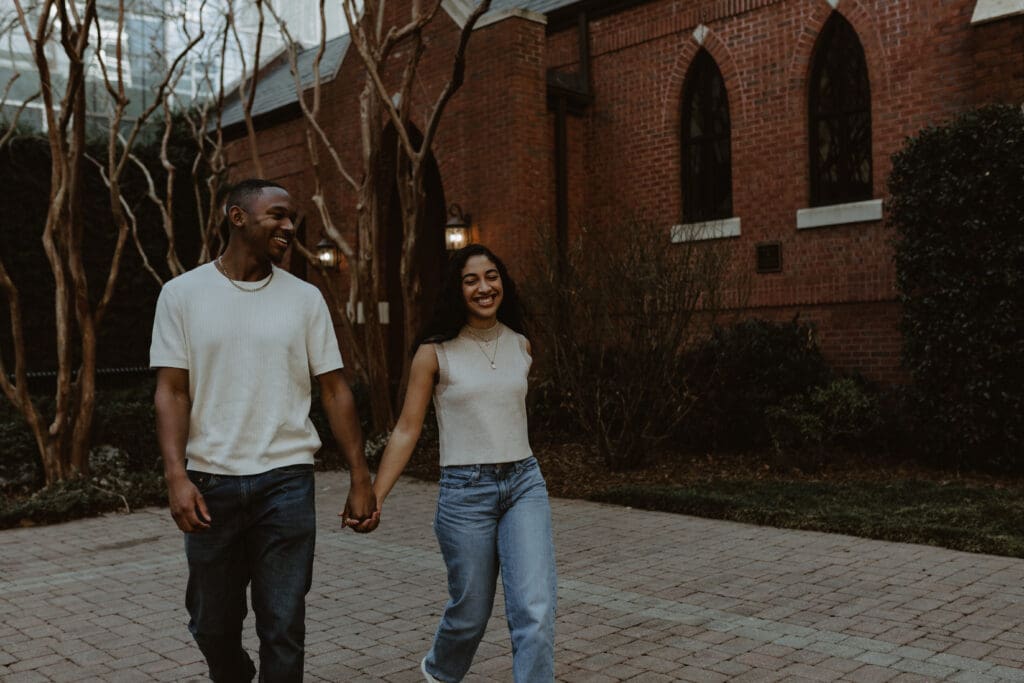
x: 481, y: 412
x: 250, y: 357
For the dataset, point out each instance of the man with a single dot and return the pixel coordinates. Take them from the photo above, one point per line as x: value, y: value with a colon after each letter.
x: 235, y: 343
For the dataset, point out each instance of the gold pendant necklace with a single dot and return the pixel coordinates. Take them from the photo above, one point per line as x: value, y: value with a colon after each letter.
x: 480, y: 344
x: 224, y: 271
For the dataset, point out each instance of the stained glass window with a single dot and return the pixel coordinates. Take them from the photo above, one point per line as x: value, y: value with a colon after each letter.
x: 706, y: 154
x: 839, y: 117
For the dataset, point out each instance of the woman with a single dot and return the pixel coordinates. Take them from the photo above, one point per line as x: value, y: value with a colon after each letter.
x: 492, y: 508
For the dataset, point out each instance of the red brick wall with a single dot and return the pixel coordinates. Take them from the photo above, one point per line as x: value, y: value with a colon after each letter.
x: 922, y: 60
x: 855, y: 337
x: 495, y: 147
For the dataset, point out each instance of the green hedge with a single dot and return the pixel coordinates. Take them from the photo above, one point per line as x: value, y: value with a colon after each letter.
x: 124, y: 420
x: 742, y: 371
x: 958, y: 209
x: 124, y: 334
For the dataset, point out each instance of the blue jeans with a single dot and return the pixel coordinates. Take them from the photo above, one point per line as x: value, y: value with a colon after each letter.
x: 263, y: 531
x: 490, y: 517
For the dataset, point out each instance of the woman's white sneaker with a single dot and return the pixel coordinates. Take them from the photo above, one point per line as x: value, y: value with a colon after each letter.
x: 423, y: 670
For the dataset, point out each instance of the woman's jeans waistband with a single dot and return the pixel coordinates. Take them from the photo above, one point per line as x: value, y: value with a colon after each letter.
x: 498, y: 470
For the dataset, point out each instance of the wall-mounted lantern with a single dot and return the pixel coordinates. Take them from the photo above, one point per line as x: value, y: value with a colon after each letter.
x: 327, y: 253
x: 456, y: 231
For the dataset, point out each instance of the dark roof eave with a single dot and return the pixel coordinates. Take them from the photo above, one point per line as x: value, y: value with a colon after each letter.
x: 565, y: 17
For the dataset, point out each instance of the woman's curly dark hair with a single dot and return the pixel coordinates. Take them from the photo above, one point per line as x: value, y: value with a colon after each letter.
x: 449, y: 316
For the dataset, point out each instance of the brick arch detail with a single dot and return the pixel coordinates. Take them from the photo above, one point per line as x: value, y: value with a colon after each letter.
x: 675, y: 83
x: 875, y: 56
x: 868, y: 32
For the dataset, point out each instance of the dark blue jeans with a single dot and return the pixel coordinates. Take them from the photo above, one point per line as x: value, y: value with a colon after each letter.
x: 262, y: 533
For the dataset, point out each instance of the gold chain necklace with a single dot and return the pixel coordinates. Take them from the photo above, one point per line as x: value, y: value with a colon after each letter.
x: 224, y: 272
x: 485, y: 340
x: 480, y: 345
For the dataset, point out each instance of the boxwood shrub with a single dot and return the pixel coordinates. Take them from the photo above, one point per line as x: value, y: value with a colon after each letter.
x: 958, y: 209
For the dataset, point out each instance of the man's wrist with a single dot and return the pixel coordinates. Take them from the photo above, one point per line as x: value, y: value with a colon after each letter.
x: 360, y: 476
x: 175, y: 474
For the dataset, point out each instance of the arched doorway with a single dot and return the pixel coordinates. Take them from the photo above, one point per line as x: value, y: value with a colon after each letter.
x: 430, y: 256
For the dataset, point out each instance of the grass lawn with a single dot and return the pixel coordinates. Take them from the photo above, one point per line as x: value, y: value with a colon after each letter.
x: 857, y: 495
x: 961, y: 516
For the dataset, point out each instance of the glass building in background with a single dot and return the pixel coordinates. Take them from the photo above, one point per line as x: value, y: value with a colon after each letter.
x: 154, y: 33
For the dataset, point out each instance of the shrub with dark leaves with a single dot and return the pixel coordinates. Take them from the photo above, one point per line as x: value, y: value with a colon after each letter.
x: 958, y: 209
x: 744, y: 369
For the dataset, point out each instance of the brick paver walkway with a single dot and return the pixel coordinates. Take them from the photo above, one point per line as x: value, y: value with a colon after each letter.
x: 643, y: 596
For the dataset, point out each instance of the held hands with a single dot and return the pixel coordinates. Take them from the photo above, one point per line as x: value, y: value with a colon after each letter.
x: 187, y: 505
x: 362, y: 511
x: 363, y: 526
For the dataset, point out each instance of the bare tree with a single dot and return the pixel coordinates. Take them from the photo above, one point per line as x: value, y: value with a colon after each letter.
x: 619, y: 319
x: 247, y: 85
x: 64, y: 443
x: 204, y: 112
x: 17, y: 391
x: 202, y: 115
x: 376, y: 42
x: 315, y: 137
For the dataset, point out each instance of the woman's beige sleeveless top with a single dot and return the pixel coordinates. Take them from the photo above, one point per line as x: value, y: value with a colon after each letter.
x: 481, y: 410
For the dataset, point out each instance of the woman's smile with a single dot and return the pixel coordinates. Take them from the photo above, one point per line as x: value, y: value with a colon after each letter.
x: 481, y: 288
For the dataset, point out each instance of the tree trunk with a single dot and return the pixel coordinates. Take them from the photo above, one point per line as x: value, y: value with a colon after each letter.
x: 411, y: 197
x: 75, y: 440
x: 53, y: 470
x: 370, y: 275
x: 373, y: 337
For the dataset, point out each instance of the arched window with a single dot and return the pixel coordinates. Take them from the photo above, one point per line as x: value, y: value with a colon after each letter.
x: 706, y: 154
x: 839, y: 116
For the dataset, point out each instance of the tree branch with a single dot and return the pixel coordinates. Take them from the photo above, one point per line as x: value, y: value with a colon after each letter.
x: 372, y: 65
x: 311, y: 114
x: 12, y: 128
x: 246, y: 94
x: 455, y: 82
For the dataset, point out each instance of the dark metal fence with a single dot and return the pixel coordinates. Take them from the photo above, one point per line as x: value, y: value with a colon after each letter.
x: 106, y: 378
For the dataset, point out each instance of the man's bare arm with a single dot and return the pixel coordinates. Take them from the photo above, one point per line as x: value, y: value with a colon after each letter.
x: 340, y: 408
x: 173, y: 406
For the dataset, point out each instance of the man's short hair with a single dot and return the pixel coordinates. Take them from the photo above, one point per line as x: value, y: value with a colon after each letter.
x: 242, y: 192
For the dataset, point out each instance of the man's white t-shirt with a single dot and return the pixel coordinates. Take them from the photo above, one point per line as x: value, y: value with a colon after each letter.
x: 250, y: 357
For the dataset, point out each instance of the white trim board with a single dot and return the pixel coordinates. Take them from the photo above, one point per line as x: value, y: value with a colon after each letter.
x: 839, y: 214
x: 707, y: 230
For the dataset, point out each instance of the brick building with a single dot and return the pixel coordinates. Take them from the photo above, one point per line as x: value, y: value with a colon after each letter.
x: 766, y: 124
